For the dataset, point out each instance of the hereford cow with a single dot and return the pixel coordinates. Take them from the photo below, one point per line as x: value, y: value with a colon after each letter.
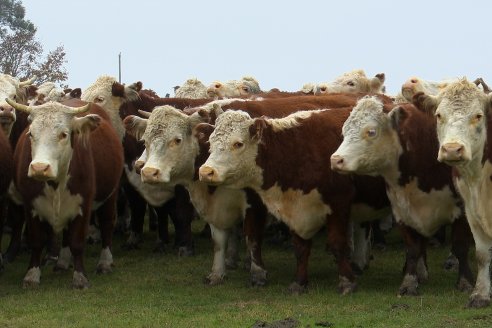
x: 464, y: 130
x: 49, y: 92
x: 351, y: 82
x: 6, y: 172
x: 192, y: 88
x: 400, y: 146
x: 172, y: 156
x: 67, y: 165
x: 286, y: 162
x: 247, y: 86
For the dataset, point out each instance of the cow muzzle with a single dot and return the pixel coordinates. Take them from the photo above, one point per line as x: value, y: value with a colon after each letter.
x: 208, y: 175
x: 451, y: 153
x: 338, y: 163
x: 138, y: 166
x: 40, y: 171
x: 151, y: 175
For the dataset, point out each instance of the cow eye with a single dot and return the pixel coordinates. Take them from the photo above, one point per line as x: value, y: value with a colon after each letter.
x: 217, y: 85
x: 371, y: 132
x: 350, y: 83
x: 177, y: 141
x: 237, y: 145
x: 438, y: 116
x: 99, y: 99
x: 478, y: 117
x: 14, y: 97
x: 62, y: 136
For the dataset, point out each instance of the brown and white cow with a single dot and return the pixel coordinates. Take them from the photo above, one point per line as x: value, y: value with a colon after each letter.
x: 192, y: 88
x: 172, y: 156
x: 6, y: 173
x: 67, y: 165
x: 286, y: 162
x: 400, y: 146
x: 247, y: 86
x: 464, y: 130
x: 351, y: 82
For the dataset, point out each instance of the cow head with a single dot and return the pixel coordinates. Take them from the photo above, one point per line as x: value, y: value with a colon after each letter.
x: 170, y: 145
x: 191, y: 89
x: 51, y: 132
x: 233, y: 150
x: 233, y: 88
x: 12, y: 88
x: 461, y: 112
x: 370, y: 142
x: 416, y: 85
x: 352, y: 82
x: 110, y: 95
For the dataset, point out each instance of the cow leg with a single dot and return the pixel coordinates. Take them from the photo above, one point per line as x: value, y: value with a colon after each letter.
x: 302, y: 249
x: 163, y: 226
x: 52, y: 249
x: 361, y: 246
x: 138, y: 206
x: 182, y: 222
x: 3, y: 215
x: 16, y: 217
x: 37, y: 235
x: 338, y: 228
x: 254, y: 225
x: 219, y: 238
x: 77, y: 233
x: 65, y: 256
x: 415, y: 261
x: 107, y: 217
x: 480, y: 297
x: 461, y: 239
x: 232, y: 253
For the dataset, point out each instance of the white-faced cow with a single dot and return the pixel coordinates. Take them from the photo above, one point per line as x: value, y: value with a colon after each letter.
x: 193, y: 89
x: 286, y: 162
x: 67, y: 165
x: 400, y: 146
x: 351, y: 82
x: 247, y: 86
x: 464, y: 130
x: 172, y: 156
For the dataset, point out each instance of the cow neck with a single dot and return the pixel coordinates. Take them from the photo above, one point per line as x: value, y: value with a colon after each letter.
x: 117, y: 123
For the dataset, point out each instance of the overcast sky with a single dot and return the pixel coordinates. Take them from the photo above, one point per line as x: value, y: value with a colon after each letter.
x: 283, y: 44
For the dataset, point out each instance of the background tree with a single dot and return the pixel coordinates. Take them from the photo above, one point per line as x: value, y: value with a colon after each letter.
x: 21, y: 54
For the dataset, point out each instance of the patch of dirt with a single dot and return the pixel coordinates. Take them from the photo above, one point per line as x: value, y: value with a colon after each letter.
x: 285, y: 323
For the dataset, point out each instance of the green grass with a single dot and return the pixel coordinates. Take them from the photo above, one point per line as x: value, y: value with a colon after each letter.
x: 163, y: 290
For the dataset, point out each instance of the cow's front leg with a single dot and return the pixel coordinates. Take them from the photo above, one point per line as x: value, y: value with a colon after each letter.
x: 220, y: 238
x: 77, y: 231
x: 107, y: 218
x: 65, y: 256
x: 37, y: 236
x: 302, y: 249
x: 254, y: 225
x: 480, y: 296
x: 415, y: 263
x: 461, y: 239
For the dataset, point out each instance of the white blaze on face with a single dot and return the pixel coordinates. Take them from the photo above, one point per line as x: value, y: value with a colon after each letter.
x: 170, y: 146
x: 233, y: 151
x: 461, y: 120
x: 370, y: 145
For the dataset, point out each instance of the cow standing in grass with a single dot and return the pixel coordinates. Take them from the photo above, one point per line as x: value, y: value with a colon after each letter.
x: 67, y: 165
x: 400, y: 146
x: 464, y: 130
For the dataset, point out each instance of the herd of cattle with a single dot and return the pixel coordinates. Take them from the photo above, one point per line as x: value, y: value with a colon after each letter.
x: 335, y: 155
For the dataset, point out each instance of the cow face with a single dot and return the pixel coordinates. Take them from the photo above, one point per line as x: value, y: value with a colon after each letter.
x: 233, y: 150
x: 191, y: 89
x: 461, y: 110
x: 352, y: 82
x: 370, y: 144
x: 234, y: 88
x: 416, y: 85
x: 169, y: 144
x: 51, y: 132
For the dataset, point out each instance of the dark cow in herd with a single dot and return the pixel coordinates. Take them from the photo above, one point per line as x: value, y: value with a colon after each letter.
x: 62, y: 174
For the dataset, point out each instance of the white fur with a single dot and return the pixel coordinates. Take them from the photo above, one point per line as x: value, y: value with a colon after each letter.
x: 64, y: 258
x: 33, y: 276
x: 155, y: 195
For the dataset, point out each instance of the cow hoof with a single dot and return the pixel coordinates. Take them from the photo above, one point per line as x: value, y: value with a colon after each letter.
x: 463, y: 285
x: 160, y: 248
x: 80, y: 281
x: 478, y: 301
x: 186, y: 251
x: 345, y: 286
x: 451, y: 264
x: 409, y: 286
x: 231, y: 264
x: 214, y: 279
x: 32, y: 278
x: 296, y: 289
x: 103, y: 268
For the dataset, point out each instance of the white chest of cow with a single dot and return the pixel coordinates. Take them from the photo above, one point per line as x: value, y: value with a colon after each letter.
x: 423, y: 211
x: 303, y: 213
x: 57, y: 206
x: 222, y: 208
x: 155, y: 195
x: 477, y: 196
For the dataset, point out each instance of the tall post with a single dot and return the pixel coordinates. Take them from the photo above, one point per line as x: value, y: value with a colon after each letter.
x: 119, y: 67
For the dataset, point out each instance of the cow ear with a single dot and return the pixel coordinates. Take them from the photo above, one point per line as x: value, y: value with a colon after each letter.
x: 76, y: 93
x: 425, y: 103
x: 118, y: 90
x: 86, y: 124
x: 377, y: 82
x: 396, y: 116
x: 203, y: 131
x: 135, y: 126
x: 256, y: 129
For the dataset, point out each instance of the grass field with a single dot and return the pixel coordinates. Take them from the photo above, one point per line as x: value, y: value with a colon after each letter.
x: 163, y: 290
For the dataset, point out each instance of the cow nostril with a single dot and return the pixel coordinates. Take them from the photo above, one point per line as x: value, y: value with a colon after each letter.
x: 340, y: 161
x: 413, y: 80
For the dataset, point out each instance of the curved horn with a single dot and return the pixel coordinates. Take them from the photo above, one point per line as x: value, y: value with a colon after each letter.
x: 144, y: 113
x: 22, y: 108
x: 28, y: 82
x: 77, y: 110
